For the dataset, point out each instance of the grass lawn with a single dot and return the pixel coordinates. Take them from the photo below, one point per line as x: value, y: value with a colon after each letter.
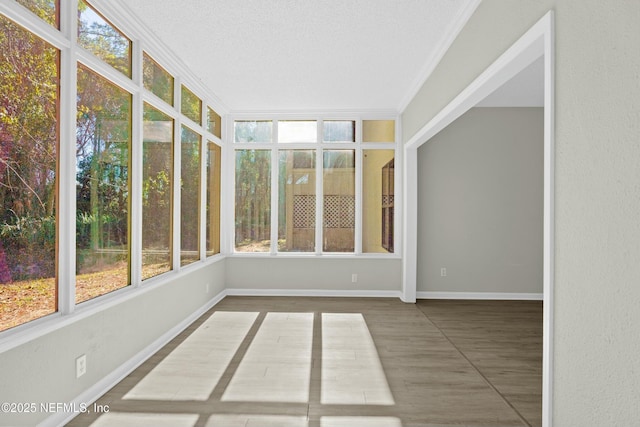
x: 22, y: 301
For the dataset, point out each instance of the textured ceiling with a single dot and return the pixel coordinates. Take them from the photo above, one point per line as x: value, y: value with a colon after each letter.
x: 275, y: 55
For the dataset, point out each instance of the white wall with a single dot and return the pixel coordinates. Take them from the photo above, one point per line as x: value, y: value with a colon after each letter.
x: 326, y: 275
x: 480, y: 203
x: 596, y: 376
x: 43, y: 370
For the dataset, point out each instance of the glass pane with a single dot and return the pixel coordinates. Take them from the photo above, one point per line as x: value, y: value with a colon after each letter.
x: 213, y: 198
x: 339, y: 131
x: 297, y: 131
x: 189, y: 197
x: 252, y: 131
x: 157, y: 80
x: 339, y: 201
x: 103, y: 141
x: 28, y: 172
x: 191, y: 106
x: 378, y: 130
x: 214, y: 123
x: 297, y: 201
x: 377, y: 201
x: 253, y: 200
x: 48, y: 10
x: 157, y: 178
x: 104, y: 40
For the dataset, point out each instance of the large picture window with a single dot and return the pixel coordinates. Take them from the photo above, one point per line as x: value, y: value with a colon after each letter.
x: 339, y: 201
x: 377, y: 201
x: 213, y: 198
x: 103, y: 140
x: 28, y: 175
x: 253, y: 201
x: 334, y: 191
x: 189, y: 197
x: 157, y: 182
x: 297, y: 201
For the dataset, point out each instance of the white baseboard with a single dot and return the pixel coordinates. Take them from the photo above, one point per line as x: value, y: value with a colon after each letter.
x: 101, y: 387
x: 313, y: 293
x: 480, y: 295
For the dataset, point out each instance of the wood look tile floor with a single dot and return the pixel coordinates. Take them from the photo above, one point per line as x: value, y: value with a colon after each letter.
x: 334, y: 362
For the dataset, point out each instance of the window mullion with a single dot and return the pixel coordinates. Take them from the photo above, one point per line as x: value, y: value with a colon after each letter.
x: 319, y: 199
x: 175, y: 217
x: 135, y: 173
x: 358, y: 199
x: 274, y: 200
x: 66, y: 215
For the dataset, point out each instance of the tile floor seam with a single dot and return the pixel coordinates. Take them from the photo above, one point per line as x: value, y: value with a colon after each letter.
x: 489, y: 383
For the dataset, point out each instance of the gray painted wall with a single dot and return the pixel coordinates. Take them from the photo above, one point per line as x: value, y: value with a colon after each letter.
x: 480, y: 211
x: 326, y: 274
x: 43, y: 370
x: 597, y: 192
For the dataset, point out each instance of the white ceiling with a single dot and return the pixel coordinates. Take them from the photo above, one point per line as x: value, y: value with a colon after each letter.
x: 287, y: 55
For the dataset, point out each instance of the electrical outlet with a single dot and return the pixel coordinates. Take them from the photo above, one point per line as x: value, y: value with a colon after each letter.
x: 81, y: 366
x: 443, y: 272
x: 207, y: 288
x: 354, y: 278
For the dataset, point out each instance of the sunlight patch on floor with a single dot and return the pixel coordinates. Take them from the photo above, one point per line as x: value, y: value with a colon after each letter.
x: 232, y: 420
x: 120, y: 419
x: 277, y: 365
x: 193, y: 369
x: 351, y: 370
x: 360, y: 422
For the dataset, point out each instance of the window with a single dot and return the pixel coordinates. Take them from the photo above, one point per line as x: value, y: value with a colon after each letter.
x: 213, y: 198
x: 157, y: 80
x: 48, y: 10
x: 297, y: 201
x: 329, y: 187
x: 191, y: 105
x: 104, y: 40
x: 115, y: 175
x: 157, y: 181
x: 214, y: 123
x: 29, y: 76
x: 377, y: 201
x: 253, y: 200
x: 252, y: 131
x: 103, y: 140
x: 339, y: 131
x: 339, y: 204
x: 190, y: 197
x: 378, y: 131
x: 297, y: 131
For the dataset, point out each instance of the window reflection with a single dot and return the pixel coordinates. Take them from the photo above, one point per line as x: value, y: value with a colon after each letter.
x: 103, y: 141
x: 157, y: 80
x: 339, y: 202
x: 189, y: 197
x: 377, y: 201
x: 191, y: 105
x: 297, y: 201
x: 214, y: 154
x: 29, y: 112
x: 253, y: 201
x: 157, y: 178
x: 104, y: 40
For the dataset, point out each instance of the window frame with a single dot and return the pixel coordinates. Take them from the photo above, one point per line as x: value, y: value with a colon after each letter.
x: 320, y: 145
